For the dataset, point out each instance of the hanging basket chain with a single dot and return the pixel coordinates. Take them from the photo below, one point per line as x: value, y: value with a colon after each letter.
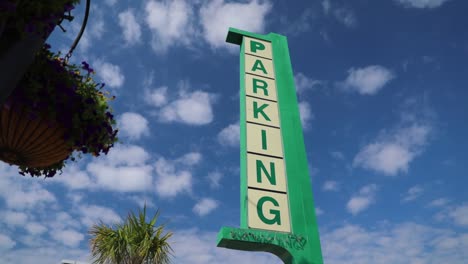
x: 68, y: 17
x: 83, y: 26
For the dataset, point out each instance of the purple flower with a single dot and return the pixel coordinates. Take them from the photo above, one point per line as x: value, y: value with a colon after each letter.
x: 86, y: 67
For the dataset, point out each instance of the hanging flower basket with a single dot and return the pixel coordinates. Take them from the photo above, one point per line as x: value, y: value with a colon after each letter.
x: 56, y: 109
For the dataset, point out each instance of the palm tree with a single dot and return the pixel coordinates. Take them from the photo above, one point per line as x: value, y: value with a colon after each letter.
x: 134, y: 241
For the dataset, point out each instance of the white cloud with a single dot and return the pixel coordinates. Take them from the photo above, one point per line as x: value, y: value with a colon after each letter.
x: 357, y: 204
x: 6, y: 242
x: 110, y: 74
x: 394, y: 243
x: 421, y: 3
x: 170, y: 23
x: 439, y: 202
x: 157, y: 97
x: 41, y: 234
x: 413, y: 193
x: 346, y: 16
x: 341, y: 13
x: 318, y: 211
x: 170, y: 185
x: 205, y: 206
x: 131, y: 28
x: 96, y: 29
x: 75, y: 197
x: 362, y: 200
x: 133, y: 125
x: 127, y: 155
x: 110, y: 2
x: 304, y: 83
x: 20, y: 193
x: 337, y: 155
x: 392, y: 153
x: 94, y: 214
x: 61, y: 221
x: 29, y: 197
x: 74, y: 178
x: 67, y: 237
x: 35, y: 228
x: 124, y: 169
x: 190, y: 108
x: 326, y: 5
x: 190, y: 159
x: 214, y: 178
x: 305, y: 114
x: 230, y: 135
x: 331, y: 186
x: 368, y: 80
x: 44, y: 254
x: 459, y: 215
x: 122, y: 178
x: 13, y: 218
x: 387, y: 158
x: 174, y: 176
x: 217, y: 16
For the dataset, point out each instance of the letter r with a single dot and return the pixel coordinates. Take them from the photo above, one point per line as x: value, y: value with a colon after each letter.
x: 260, y: 84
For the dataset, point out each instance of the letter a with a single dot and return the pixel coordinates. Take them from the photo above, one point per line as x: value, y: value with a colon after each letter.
x: 258, y: 65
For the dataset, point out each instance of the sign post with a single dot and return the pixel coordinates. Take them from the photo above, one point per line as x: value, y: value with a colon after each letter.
x: 277, y: 209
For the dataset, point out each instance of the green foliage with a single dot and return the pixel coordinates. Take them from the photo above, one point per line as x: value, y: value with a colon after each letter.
x: 135, y: 241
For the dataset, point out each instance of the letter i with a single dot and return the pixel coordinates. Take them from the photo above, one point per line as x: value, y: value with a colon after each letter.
x: 264, y: 140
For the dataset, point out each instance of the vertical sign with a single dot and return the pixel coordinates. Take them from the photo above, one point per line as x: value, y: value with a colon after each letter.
x: 277, y: 209
x: 266, y: 178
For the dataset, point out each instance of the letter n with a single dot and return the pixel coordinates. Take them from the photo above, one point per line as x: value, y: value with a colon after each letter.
x: 271, y: 176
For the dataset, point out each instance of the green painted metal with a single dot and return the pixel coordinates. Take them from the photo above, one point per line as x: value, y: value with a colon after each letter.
x: 302, y: 245
x: 243, y: 145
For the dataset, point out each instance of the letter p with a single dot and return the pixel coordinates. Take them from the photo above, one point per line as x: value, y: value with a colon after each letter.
x: 254, y: 46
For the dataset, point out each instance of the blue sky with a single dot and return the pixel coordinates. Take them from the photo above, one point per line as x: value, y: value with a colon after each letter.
x: 382, y: 93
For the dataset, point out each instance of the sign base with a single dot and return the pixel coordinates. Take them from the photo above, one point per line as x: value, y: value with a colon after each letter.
x: 287, y: 246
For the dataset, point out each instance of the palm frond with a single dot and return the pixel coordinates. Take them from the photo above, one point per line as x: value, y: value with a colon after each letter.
x: 135, y: 241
